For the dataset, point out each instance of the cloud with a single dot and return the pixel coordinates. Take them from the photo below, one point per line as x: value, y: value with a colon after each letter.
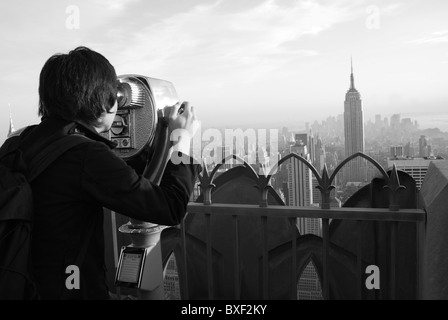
x: 436, y: 37
x: 391, y: 9
x: 114, y: 5
x: 248, y: 42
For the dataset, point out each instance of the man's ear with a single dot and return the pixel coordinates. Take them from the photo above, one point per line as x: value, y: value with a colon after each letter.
x: 112, y: 110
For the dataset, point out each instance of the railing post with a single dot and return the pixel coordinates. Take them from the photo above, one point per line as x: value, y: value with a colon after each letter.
x: 421, y: 232
x: 393, y: 260
x: 206, y: 185
x: 264, y: 225
x: 394, y: 187
x: 292, y: 221
x: 359, y: 271
x: 236, y: 258
x: 209, y: 256
x: 325, y: 187
x: 184, y: 252
x: 326, y: 241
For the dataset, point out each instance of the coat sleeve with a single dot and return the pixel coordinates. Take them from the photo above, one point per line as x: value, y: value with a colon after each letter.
x: 111, y: 182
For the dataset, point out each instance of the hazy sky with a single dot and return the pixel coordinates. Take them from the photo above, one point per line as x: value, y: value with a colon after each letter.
x: 242, y: 62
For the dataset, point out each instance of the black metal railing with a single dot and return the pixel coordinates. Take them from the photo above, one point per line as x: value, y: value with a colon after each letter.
x: 393, y: 215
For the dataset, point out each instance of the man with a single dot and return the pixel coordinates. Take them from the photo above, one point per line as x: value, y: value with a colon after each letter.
x: 78, y: 95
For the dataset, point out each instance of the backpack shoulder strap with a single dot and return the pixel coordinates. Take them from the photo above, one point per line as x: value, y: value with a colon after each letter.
x: 51, y: 152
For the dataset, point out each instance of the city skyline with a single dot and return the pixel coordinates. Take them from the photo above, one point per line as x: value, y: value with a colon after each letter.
x: 245, y: 63
x: 301, y: 230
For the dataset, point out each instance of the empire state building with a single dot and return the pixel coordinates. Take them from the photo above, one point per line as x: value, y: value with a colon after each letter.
x: 354, y: 133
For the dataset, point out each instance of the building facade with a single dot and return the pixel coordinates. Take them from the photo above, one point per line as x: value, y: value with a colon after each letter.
x: 301, y: 193
x: 354, y: 133
x: 424, y: 148
x: 299, y: 178
x: 415, y: 167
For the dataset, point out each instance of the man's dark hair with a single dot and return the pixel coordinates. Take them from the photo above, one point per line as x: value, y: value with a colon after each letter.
x: 79, y: 85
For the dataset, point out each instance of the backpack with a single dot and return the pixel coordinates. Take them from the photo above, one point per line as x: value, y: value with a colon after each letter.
x: 18, y: 168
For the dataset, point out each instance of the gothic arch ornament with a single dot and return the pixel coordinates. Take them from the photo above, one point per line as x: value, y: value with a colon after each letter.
x: 325, y: 182
x: 280, y: 254
x: 207, y: 178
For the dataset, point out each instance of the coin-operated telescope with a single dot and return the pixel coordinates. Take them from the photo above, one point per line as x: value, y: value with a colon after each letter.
x: 141, y: 134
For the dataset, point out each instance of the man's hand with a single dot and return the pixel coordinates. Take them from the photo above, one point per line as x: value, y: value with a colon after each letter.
x: 182, y: 124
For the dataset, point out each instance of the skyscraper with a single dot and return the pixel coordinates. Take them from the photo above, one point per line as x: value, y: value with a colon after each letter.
x: 395, y: 120
x: 299, y: 178
x: 396, y: 152
x: 320, y: 155
x: 354, y: 133
x: 423, y: 147
x: 171, y: 280
x: 300, y: 182
x: 11, y: 126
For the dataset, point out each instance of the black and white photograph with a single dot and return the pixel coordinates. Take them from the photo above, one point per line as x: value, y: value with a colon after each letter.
x: 223, y: 156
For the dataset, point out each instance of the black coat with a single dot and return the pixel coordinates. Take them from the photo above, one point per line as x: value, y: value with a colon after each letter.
x: 69, y: 198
